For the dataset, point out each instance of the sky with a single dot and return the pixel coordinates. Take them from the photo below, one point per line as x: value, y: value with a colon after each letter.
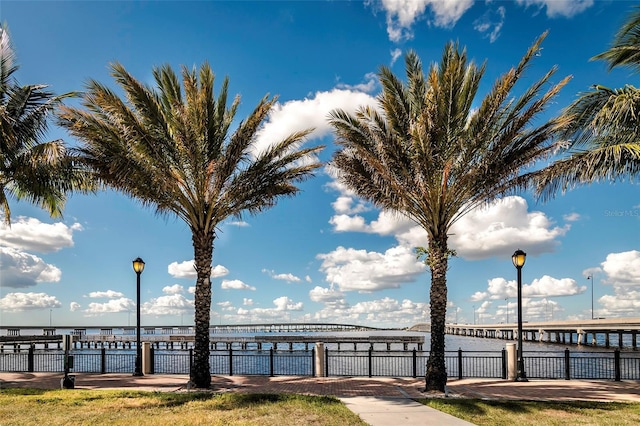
x: 324, y: 255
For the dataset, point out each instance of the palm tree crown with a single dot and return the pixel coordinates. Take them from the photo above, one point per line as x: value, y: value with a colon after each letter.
x: 428, y: 152
x: 603, y: 141
x: 40, y: 172
x: 172, y: 149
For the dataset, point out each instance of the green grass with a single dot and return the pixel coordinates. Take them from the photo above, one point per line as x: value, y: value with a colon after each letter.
x: 90, y: 407
x: 538, y: 413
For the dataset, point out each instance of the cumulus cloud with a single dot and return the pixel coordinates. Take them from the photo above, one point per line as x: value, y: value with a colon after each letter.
x: 571, y: 217
x: 559, y: 8
x: 238, y: 223
x: 109, y: 294
x: 492, y: 230
x: 349, y: 205
x: 247, y: 302
x: 173, y: 289
x: 623, y: 269
x: 363, y: 271
x: 546, y: 286
x: 325, y: 295
x: 298, y: 115
x: 490, y: 23
x: 381, y: 311
x: 368, y: 86
x: 29, y: 234
x: 74, y: 306
x: 290, y: 278
x: 235, y: 285
x: 20, y: 269
x: 122, y: 304
x: 21, y: 302
x: 402, y: 14
x: 285, y: 304
x: 171, y: 304
x: 187, y: 269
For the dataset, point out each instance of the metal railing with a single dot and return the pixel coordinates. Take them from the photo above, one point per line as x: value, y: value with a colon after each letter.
x: 460, y: 364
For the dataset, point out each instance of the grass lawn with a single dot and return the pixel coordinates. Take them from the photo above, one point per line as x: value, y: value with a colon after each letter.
x: 88, y: 407
x: 537, y: 413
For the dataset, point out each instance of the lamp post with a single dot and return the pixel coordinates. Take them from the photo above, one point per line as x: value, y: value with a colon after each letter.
x: 590, y: 277
x: 138, y: 267
x: 518, y: 258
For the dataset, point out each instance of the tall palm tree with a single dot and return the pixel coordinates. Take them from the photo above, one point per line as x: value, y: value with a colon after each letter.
x: 42, y: 173
x: 433, y: 153
x: 604, y: 139
x: 173, y: 150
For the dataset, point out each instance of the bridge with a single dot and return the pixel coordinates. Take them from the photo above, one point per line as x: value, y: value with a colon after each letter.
x: 579, y: 332
x: 252, y: 328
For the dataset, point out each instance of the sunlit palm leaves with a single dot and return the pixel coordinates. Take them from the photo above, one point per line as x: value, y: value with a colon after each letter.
x: 39, y: 172
x: 603, y: 143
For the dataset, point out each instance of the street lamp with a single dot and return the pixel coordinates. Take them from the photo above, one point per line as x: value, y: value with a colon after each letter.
x: 590, y: 277
x: 518, y: 258
x: 138, y: 267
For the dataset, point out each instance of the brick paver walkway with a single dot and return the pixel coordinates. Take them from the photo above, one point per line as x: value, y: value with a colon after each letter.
x: 554, y: 390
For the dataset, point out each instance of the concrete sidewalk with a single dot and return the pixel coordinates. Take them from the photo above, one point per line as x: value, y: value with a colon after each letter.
x: 380, y: 401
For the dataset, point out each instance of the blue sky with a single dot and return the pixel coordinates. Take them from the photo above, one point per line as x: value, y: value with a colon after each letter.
x: 323, y: 256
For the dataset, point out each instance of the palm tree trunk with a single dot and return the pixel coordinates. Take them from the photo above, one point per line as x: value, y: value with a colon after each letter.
x: 436, y: 375
x: 203, y: 249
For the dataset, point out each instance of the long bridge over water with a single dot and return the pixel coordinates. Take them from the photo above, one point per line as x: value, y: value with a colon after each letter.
x: 580, y: 332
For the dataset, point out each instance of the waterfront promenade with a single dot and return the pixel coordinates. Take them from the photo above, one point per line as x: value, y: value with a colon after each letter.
x: 378, y: 401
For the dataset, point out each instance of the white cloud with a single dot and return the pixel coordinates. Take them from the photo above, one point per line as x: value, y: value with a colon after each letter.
x: 623, y: 269
x: 345, y: 205
x: 235, y: 285
x: 247, y: 302
x: 496, y: 230
x: 19, y: 269
x: 395, y: 55
x: 171, y: 304
x: 381, y: 311
x: 173, y: 289
x: 74, y: 306
x: 290, y: 278
x: 308, y: 279
x: 187, y: 269
x: 325, y: 295
x: 122, y: 304
x: 490, y: 23
x: 359, y: 270
x: 559, y: 8
x: 30, y: 234
x: 368, y: 86
x: 239, y: 223
x: 402, y: 14
x: 298, y: 115
x: 20, y: 302
x: 109, y: 294
x: 547, y: 286
x: 571, y: 217
x: 285, y: 304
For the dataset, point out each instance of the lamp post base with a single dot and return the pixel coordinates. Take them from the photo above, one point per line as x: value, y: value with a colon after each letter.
x: 137, y: 374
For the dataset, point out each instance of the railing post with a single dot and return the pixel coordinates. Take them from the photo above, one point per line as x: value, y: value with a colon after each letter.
x: 152, y: 360
x: 190, y: 360
x: 504, y: 364
x: 370, y: 361
x: 30, y: 363
x: 271, y: 362
x: 326, y: 362
x: 459, y: 363
x: 415, y: 363
x: 230, y: 361
x: 567, y: 364
x: 313, y: 362
x: 103, y: 361
x: 616, y: 362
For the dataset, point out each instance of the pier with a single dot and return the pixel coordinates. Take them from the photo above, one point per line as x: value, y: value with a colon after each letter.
x: 580, y: 332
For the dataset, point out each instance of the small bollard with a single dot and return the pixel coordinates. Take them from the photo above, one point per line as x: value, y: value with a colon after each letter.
x: 68, y: 382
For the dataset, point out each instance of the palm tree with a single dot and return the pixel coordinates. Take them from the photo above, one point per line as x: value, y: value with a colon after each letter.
x: 30, y: 169
x: 430, y: 152
x: 604, y: 139
x: 174, y: 151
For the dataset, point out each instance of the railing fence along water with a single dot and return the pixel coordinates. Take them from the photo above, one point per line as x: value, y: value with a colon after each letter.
x: 460, y: 364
